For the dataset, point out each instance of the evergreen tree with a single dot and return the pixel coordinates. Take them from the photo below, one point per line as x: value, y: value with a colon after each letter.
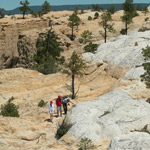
x: 129, y: 13
x: 1, y: 13
x: 48, y: 58
x: 24, y: 8
x: 45, y: 7
x: 74, y: 67
x: 146, y: 76
x: 145, y: 10
x: 86, y: 36
x: 74, y: 20
x: 112, y: 9
x: 106, y: 24
x: 139, y: 7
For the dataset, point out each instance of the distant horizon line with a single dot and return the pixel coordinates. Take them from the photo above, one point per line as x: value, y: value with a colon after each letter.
x: 80, y: 4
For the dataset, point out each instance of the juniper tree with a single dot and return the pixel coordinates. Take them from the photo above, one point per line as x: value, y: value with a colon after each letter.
x: 74, y: 20
x: 106, y: 23
x: 24, y: 8
x: 74, y: 67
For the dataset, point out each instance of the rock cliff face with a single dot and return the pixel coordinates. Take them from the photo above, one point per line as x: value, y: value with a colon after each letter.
x: 16, y: 49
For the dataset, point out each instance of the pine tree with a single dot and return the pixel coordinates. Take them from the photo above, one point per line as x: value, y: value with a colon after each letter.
x: 48, y: 57
x: 45, y: 7
x: 129, y: 13
x: 74, y: 67
x: 74, y: 20
x: 106, y: 24
x: 1, y: 13
x: 24, y: 8
x: 145, y: 10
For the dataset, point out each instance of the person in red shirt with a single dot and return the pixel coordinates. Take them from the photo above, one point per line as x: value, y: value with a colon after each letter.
x: 58, y: 104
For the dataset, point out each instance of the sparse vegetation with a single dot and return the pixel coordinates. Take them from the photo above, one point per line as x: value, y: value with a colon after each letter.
x: 1, y: 13
x: 112, y: 9
x: 9, y: 109
x: 86, y: 144
x: 74, y: 67
x: 96, y: 15
x: 147, y: 18
x: 97, y: 7
x: 89, y: 18
x: 74, y: 20
x: 86, y: 36
x: 105, y: 113
x: 146, y: 76
x: 129, y: 13
x: 42, y: 103
x: 107, y: 24
x: 47, y: 58
x: 62, y: 129
x: 24, y: 8
x: 45, y: 7
x: 91, y: 47
x: 145, y: 10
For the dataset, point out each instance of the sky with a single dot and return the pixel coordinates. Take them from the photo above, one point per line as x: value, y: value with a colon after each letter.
x: 11, y: 4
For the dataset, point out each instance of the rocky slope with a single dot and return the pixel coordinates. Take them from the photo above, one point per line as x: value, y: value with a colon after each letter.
x: 111, y: 84
x: 15, y: 33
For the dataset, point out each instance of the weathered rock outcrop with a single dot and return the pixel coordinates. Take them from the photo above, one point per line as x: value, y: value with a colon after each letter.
x: 133, y: 141
x: 123, y: 53
x: 111, y: 115
x: 16, y: 49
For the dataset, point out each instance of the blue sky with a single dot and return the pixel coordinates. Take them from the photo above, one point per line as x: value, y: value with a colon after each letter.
x: 11, y: 4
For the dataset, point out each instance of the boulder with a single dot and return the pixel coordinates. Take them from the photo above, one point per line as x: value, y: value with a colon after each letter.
x: 111, y: 115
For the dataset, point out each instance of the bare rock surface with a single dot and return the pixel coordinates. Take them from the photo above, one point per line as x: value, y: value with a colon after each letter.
x: 133, y: 141
x: 111, y: 115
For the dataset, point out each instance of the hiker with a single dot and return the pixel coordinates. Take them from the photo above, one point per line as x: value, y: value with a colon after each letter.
x: 58, y: 104
x: 51, y: 110
x: 66, y: 101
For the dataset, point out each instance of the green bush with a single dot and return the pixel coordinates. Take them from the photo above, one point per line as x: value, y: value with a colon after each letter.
x: 10, y: 110
x: 96, y: 15
x: 90, y: 47
x: 80, y: 40
x: 62, y: 129
x: 89, y: 18
x: 147, y: 18
x: 42, y: 103
x: 86, y: 144
x: 123, y: 31
x: 86, y: 36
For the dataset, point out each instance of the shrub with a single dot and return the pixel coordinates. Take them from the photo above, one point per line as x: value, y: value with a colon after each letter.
x: 105, y: 113
x: 62, y: 129
x: 123, y: 31
x: 86, y: 144
x: 80, y: 40
x: 96, y: 15
x: 90, y: 47
x: 11, y: 99
x: 86, y: 36
x: 147, y: 18
x: 10, y: 110
x: 89, y: 18
x: 42, y: 103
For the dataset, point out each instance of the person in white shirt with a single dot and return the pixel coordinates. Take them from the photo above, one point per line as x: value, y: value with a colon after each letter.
x: 51, y: 110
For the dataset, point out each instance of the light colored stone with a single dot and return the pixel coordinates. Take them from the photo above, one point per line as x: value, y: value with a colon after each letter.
x: 125, y: 115
x: 132, y: 141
